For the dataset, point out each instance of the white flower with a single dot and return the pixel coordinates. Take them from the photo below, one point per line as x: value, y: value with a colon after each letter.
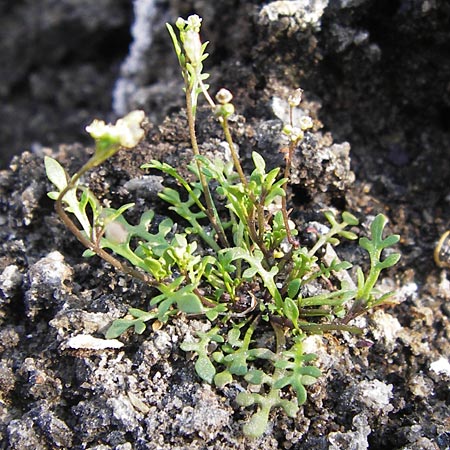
x: 194, y: 22
x: 295, y: 134
x: 98, y: 129
x: 305, y: 123
x: 127, y: 131
x: 193, y: 47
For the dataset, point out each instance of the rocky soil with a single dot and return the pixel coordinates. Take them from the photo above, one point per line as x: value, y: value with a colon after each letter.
x: 376, y: 80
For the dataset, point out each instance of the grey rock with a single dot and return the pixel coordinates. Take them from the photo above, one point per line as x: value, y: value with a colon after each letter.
x: 46, y: 282
x: 10, y: 280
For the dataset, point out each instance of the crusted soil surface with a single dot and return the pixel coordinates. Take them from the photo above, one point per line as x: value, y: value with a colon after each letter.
x: 375, y: 76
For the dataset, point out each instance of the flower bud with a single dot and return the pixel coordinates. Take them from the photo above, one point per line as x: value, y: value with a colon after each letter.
x: 295, y: 98
x: 296, y: 134
x: 180, y: 23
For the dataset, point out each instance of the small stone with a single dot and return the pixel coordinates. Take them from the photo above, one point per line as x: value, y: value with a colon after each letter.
x: 421, y: 386
x: 10, y: 280
x: 376, y: 395
x: 386, y: 327
x: 88, y: 342
x: 441, y: 366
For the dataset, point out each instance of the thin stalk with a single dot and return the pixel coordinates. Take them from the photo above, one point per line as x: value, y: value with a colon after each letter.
x: 205, y: 301
x: 323, y: 239
x: 279, y: 336
x: 287, y: 174
x: 125, y: 268
x: 206, y: 94
x: 256, y: 235
x: 210, y: 208
x: 260, y: 213
x: 234, y: 155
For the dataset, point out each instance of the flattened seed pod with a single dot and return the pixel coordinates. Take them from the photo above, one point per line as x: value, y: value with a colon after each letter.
x: 442, y: 251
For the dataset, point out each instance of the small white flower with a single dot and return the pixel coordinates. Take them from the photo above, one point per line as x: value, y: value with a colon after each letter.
x: 193, y: 47
x: 127, y: 131
x: 98, y: 129
x: 305, y: 123
x: 296, y: 134
x: 180, y: 23
x: 194, y: 23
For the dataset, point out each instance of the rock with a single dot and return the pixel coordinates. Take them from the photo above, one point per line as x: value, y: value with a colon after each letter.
x: 50, y: 57
x: 376, y: 396
x: 46, y: 280
x: 10, y: 280
x: 441, y: 366
x: 87, y: 342
x: 296, y: 15
x: 352, y: 440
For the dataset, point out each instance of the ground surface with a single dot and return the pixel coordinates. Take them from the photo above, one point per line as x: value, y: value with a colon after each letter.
x: 375, y: 74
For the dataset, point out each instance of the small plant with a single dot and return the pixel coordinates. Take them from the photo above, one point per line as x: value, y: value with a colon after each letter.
x: 245, y: 273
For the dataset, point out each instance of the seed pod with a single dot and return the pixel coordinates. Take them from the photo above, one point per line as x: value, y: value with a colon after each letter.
x: 224, y: 96
x: 442, y: 251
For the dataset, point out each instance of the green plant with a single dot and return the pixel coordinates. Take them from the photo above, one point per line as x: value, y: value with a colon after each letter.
x: 252, y: 277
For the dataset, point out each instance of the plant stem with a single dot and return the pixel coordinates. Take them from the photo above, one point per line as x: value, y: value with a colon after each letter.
x: 234, y: 155
x: 256, y: 234
x: 287, y: 174
x: 125, y: 268
x: 211, y: 211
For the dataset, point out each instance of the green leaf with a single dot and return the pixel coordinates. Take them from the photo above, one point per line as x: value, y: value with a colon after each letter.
x: 55, y: 173
x: 190, y: 304
x: 256, y: 426
x: 139, y: 327
x: 349, y: 218
x: 205, y: 369
x: 234, y: 337
x: 294, y: 287
x: 290, y: 310
x: 390, y: 261
x: 119, y: 327
x: 249, y: 273
x: 289, y: 407
x: 245, y: 399
x: 254, y: 377
x: 256, y: 263
x: 221, y: 379
x: 259, y: 162
x: 348, y: 235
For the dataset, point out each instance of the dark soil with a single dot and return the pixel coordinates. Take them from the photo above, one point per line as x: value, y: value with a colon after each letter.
x: 375, y: 75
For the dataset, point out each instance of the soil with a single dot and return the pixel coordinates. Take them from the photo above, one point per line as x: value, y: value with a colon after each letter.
x: 375, y: 76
